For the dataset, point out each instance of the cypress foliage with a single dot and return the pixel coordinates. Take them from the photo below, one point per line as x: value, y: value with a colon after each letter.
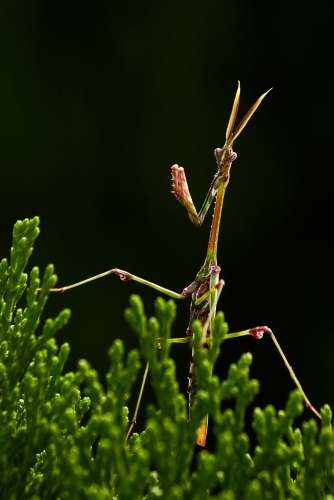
x: 47, y: 453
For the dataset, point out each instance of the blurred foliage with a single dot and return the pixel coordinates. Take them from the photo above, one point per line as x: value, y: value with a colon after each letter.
x: 47, y: 452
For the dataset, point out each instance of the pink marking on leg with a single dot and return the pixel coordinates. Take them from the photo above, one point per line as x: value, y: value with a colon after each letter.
x: 189, y: 290
x: 258, y: 331
x: 220, y: 284
x: 215, y: 269
x: 124, y: 275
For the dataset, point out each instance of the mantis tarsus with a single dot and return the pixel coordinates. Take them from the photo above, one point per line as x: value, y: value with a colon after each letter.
x: 206, y: 287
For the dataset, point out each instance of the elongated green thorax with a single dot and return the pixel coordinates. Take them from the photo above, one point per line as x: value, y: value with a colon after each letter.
x: 224, y: 158
x: 211, y: 255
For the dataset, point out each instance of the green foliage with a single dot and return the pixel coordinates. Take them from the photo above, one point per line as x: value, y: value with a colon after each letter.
x: 47, y: 453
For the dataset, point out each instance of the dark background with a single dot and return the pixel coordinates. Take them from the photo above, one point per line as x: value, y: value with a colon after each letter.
x: 98, y: 100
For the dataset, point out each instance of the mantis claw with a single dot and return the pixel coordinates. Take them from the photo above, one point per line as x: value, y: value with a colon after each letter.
x: 182, y: 193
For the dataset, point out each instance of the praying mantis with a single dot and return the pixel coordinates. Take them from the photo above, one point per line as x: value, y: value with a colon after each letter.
x: 206, y: 287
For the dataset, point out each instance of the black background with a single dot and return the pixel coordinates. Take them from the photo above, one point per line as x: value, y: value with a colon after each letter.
x: 98, y: 100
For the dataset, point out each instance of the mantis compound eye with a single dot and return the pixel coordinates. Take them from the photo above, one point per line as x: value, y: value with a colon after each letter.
x: 218, y: 154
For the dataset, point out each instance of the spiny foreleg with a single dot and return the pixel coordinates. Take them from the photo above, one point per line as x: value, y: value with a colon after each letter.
x: 224, y: 158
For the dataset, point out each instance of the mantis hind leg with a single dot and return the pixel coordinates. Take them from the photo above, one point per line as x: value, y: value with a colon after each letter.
x: 257, y: 333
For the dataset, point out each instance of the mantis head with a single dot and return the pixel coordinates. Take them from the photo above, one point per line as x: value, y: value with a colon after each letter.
x: 224, y: 158
x: 226, y: 155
